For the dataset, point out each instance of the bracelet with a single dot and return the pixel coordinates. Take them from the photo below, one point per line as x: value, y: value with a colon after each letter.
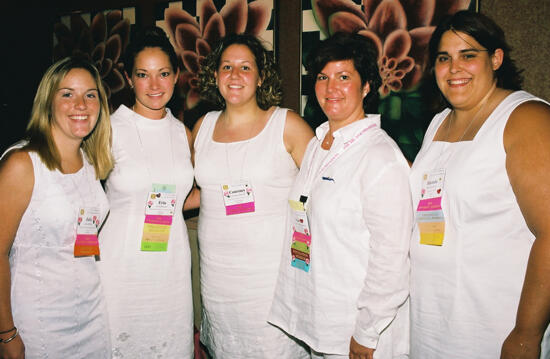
x: 5, y: 341
x: 7, y: 331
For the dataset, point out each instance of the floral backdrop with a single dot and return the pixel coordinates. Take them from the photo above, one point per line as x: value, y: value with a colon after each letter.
x: 102, y: 37
x: 194, y: 31
x: 401, y: 30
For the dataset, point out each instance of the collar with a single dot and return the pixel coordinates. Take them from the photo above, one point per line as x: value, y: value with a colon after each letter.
x: 347, y: 132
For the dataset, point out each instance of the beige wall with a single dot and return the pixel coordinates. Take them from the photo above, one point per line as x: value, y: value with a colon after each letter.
x: 526, y: 25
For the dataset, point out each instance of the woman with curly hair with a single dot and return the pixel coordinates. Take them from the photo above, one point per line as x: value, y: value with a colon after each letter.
x: 246, y: 155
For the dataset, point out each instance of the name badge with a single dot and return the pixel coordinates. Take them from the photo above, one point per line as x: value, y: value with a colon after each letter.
x: 429, y: 214
x: 300, y: 247
x: 238, y: 198
x: 159, y: 211
x: 88, y: 221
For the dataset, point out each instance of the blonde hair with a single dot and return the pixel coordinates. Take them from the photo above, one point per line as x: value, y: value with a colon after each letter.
x: 96, y: 146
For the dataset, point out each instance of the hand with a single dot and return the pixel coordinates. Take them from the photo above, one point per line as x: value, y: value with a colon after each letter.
x: 357, y: 351
x: 521, y: 346
x: 13, y: 350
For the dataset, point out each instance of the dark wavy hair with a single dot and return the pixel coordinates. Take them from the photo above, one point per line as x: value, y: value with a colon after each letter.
x: 345, y: 46
x: 489, y: 35
x: 268, y: 94
x: 147, y: 37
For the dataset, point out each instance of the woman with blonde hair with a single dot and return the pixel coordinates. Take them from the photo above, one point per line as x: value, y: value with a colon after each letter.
x: 51, y: 300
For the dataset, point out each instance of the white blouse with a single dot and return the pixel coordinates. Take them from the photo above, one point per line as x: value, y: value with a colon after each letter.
x: 360, y: 217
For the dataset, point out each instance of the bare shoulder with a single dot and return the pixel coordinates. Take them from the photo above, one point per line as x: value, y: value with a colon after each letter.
x: 196, y: 128
x: 529, y: 119
x: 16, y: 173
x: 297, y: 135
x: 16, y: 162
x: 292, y: 118
x: 296, y: 125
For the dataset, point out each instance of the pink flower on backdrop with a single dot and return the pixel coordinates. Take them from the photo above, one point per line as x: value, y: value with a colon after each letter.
x: 400, y: 29
x: 103, y: 42
x: 193, y: 40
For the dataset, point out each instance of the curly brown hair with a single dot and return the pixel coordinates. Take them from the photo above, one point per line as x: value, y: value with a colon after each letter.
x: 268, y: 94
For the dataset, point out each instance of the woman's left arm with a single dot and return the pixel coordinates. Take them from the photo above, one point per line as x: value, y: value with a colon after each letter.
x: 297, y: 135
x: 193, y: 199
x: 527, y: 145
x: 387, y: 212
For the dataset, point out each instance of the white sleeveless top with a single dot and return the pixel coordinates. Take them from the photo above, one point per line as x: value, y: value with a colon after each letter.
x: 57, y: 299
x: 465, y: 293
x: 240, y: 253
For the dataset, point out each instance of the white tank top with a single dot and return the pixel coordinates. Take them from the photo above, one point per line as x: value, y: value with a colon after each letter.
x: 465, y: 293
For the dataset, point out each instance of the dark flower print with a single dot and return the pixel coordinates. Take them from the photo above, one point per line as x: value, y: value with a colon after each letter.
x: 103, y: 42
x: 194, y: 40
x: 400, y: 29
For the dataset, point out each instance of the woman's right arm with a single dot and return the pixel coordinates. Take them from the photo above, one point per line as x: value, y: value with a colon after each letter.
x: 16, y: 184
x: 193, y: 199
x: 194, y: 135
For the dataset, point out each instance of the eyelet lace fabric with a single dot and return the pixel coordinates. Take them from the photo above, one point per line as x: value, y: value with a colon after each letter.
x: 57, y: 300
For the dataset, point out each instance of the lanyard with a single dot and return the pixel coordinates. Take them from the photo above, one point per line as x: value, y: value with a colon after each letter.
x: 146, y: 155
x: 328, y: 162
x: 246, y: 144
x: 86, y: 175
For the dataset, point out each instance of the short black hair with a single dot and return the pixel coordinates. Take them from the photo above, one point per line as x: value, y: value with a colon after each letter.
x: 349, y: 46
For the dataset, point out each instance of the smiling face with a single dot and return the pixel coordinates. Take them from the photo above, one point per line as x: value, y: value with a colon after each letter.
x: 340, y: 93
x: 237, y: 76
x: 153, y: 80
x: 75, y: 106
x: 464, y: 70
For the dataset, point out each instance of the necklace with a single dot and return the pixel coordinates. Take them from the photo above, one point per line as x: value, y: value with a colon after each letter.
x: 483, y: 102
x: 327, y: 142
x: 246, y: 144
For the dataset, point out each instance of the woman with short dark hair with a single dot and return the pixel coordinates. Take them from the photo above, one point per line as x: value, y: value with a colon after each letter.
x: 344, y: 275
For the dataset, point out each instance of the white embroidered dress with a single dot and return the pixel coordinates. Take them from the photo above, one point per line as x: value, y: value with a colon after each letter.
x: 240, y: 253
x: 57, y: 298
x: 148, y: 293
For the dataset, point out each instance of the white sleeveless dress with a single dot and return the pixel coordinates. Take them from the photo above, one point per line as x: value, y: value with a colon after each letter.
x: 465, y: 293
x: 240, y: 253
x: 148, y: 293
x: 57, y: 298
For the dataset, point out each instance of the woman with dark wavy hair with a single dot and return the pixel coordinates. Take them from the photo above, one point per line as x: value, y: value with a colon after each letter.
x: 246, y: 155
x: 480, y: 252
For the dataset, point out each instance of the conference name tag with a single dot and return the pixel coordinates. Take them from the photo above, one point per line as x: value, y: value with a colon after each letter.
x: 429, y: 214
x: 159, y: 212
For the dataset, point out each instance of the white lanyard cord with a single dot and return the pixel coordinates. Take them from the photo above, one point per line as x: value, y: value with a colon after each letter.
x: 327, y: 163
x: 171, y: 149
